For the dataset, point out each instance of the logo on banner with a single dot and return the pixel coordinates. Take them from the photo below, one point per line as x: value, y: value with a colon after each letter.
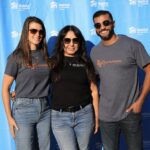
x: 132, y: 2
x: 54, y: 33
x: 138, y: 31
x: 138, y: 2
x: 102, y: 4
x: 61, y: 6
x: 53, y: 4
x: 15, y: 34
x: 93, y: 3
x: 92, y: 32
x: 18, y: 6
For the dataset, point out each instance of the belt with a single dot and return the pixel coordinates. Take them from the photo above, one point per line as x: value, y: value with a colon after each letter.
x: 72, y: 108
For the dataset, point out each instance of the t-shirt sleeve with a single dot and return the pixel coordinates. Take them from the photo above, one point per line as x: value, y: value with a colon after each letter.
x: 11, y: 66
x: 141, y: 55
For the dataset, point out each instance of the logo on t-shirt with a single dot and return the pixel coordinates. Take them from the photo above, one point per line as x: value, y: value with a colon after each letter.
x: 102, y: 63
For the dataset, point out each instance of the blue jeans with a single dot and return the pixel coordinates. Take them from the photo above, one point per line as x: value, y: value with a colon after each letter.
x: 131, y: 128
x: 73, y: 129
x: 32, y: 117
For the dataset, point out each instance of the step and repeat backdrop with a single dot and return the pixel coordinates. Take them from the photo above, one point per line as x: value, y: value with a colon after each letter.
x: 132, y: 18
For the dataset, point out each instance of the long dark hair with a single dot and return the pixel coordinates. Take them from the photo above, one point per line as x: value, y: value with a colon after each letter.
x: 23, y: 47
x: 58, y: 55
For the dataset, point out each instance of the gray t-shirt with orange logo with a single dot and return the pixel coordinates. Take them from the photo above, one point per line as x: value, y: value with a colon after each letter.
x: 117, y: 66
x: 31, y: 82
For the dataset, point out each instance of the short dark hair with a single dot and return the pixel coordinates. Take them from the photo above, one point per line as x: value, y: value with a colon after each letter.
x: 102, y: 12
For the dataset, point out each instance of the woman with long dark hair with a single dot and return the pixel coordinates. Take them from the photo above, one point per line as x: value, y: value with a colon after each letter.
x: 74, y: 91
x: 28, y: 66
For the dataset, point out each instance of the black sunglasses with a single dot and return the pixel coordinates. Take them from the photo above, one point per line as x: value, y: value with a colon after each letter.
x: 68, y: 40
x: 34, y: 31
x: 105, y: 23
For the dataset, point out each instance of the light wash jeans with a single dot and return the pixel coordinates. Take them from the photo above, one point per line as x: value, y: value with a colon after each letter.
x: 73, y: 130
x: 33, y: 118
x: 131, y: 128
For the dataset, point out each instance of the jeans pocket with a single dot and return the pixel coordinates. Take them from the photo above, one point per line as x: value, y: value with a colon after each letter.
x: 56, y: 114
x: 135, y: 113
x: 22, y: 103
x: 45, y: 104
x: 22, y: 106
x: 134, y: 116
x: 87, y: 109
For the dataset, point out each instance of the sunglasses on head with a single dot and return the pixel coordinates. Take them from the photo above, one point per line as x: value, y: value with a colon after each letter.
x: 34, y: 31
x: 105, y: 23
x: 68, y: 40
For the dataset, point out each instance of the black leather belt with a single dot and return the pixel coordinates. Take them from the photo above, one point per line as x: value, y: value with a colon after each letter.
x: 71, y: 108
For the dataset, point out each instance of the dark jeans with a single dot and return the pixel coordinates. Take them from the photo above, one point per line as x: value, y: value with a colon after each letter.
x: 131, y: 128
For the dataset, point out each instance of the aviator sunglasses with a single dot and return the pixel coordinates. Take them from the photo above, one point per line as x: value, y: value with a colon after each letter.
x: 105, y: 23
x: 34, y: 31
x: 68, y: 40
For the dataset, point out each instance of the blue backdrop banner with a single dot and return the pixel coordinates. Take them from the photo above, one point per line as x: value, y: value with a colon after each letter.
x: 131, y: 18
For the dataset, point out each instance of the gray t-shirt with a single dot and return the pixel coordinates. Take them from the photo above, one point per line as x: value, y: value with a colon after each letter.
x: 31, y: 82
x: 117, y: 66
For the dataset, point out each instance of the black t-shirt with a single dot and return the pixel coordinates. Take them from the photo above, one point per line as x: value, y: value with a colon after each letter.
x: 73, y: 88
x: 31, y: 82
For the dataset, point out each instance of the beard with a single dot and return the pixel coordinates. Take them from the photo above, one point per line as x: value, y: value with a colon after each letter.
x: 108, y: 37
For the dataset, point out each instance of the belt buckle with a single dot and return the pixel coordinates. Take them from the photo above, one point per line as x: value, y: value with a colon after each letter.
x: 74, y: 108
